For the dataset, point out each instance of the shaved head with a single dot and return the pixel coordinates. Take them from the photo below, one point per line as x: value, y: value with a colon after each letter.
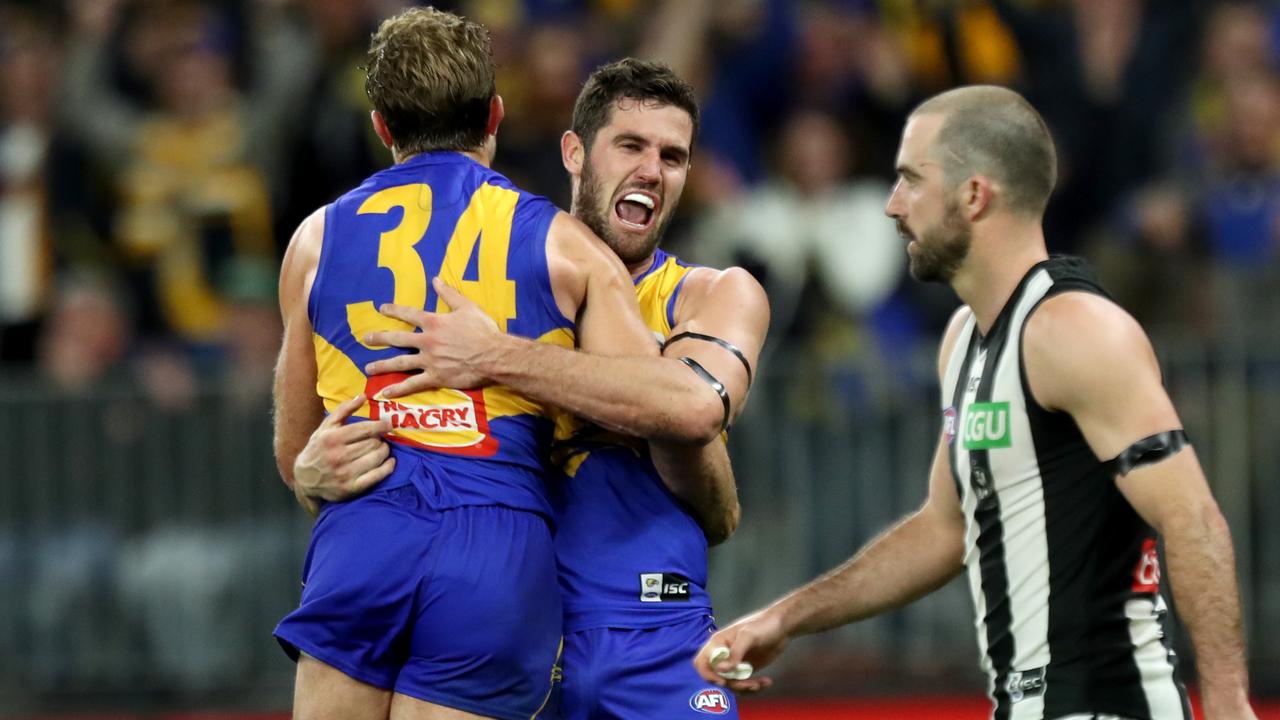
x: 994, y: 131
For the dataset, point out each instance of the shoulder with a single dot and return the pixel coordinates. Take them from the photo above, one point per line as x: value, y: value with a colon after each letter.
x: 576, y: 257
x: 304, y: 246
x: 732, y: 287
x: 951, y: 336
x: 1081, y: 323
x: 570, y: 238
x: 1075, y: 341
x: 301, y: 261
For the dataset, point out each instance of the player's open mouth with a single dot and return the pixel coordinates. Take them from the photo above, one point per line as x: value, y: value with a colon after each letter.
x: 636, y: 210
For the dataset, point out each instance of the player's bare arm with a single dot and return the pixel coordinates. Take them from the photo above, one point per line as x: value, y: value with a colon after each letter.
x: 1087, y: 357
x: 343, y: 460
x: 920, y: 554
x: 297, y: 408
x: 721, y: 321
x: 612, y: 383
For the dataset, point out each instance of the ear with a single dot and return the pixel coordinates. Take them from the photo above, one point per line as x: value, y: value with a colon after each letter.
x: 572, y: 152
x: 496, y: 113
x: 384, y: 133
x: 977, y: 197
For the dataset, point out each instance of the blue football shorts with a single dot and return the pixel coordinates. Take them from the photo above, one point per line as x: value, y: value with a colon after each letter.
x: 640, y: 674
x: 457, y: 607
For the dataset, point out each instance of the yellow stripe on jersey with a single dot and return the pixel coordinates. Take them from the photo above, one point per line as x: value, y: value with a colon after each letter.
x: 654, y: 291
x: 337, y: 377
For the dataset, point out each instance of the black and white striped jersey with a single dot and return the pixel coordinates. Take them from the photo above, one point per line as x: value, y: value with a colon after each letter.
x: 1064, y: 574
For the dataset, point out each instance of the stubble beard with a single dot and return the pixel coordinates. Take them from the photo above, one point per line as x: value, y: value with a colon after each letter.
x: 940, y: 250
x: 588, y: 208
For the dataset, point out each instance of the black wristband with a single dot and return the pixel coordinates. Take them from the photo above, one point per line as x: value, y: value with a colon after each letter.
x: 713, y: 339
x: 715, y: 385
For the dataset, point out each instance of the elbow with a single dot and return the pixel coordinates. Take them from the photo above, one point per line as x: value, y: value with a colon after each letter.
x: 284, y: 465
x: 725, y: 527
x: 700, y: 423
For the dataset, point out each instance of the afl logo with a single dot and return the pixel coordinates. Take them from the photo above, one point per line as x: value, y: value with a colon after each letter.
x: 712, y: 701
x: 949, y: 424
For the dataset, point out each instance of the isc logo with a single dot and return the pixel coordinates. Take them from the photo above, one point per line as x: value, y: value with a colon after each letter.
x: 663, y: 587
x: 712, y: 701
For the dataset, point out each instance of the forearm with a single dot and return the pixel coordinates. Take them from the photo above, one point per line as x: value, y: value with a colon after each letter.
x: 1201, y: 564
x: 701, y: 476
x: 654, y: 398
x: 908, y: 561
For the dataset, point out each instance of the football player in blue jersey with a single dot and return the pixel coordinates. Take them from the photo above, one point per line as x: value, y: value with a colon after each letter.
x: 434, y: 595
x: 633, y: 518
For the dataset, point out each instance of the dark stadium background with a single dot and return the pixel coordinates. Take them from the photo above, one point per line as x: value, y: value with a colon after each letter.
x: 155, y: 156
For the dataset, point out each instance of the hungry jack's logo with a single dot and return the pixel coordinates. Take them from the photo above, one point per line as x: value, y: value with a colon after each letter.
x: 441, y: 420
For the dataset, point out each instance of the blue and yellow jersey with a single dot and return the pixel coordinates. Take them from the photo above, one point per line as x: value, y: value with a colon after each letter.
x: 630, y: 554
x: 440, y: 214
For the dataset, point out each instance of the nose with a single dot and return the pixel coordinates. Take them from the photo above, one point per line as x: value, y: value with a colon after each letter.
x: 650, y: 167
x: 894, y: 207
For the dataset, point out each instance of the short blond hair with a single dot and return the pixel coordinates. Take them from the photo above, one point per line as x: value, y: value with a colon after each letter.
x: 430, y: 74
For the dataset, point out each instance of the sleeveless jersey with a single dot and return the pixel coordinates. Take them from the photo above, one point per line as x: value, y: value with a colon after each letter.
x: 630, y: 554
x: 1063, y: 572
x: 440, y: 214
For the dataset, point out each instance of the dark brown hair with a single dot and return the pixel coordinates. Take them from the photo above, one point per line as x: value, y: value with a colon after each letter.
x: 430, y: 74
x: 649, y: 82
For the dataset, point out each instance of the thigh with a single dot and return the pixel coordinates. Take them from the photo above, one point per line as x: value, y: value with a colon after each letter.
x: 367, y: 560
x: 642, y: 674
x: 404, y: 707
x: 321, y: 692
x: 487, y: 637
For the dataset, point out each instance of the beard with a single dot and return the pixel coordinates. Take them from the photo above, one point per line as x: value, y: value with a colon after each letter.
x: 940, y: 250
x: 590, y: 208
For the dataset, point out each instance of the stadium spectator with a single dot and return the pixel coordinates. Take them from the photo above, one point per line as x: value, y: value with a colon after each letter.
x: 48, y: 217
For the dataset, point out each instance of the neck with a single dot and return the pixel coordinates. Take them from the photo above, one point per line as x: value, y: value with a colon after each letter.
x: 479, y: 156
x: 638, y: 269
x: 999, y: 258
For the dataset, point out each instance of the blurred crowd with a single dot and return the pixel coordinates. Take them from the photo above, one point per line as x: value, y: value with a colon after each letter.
x: 155, y: 156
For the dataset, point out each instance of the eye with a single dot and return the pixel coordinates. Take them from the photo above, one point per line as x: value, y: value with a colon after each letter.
x: 631, y: 146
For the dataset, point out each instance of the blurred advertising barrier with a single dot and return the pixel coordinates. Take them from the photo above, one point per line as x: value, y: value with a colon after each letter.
x: 147, y: 546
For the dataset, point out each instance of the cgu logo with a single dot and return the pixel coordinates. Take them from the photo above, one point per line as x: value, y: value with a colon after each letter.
x: 443, y: 420
x: 712, y: 701
x: 986, y: 425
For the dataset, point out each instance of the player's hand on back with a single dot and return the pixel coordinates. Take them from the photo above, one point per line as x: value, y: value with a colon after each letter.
x: 449, y: 345
x: 341, y: 461
x: 757, y: 639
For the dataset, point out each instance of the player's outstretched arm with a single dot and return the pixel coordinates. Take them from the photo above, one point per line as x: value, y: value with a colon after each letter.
x: 915, y: 557
x: 297, y: 408
x: 721, y: 321
x: 612, y: 383
x: 1087, y: 357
